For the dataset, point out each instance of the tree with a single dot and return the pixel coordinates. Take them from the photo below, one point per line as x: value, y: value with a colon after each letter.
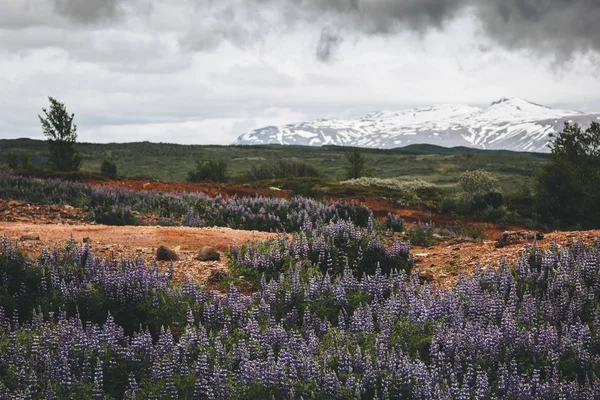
x: 568, y: 186
x: 355, y: 167
x: 61, y: 132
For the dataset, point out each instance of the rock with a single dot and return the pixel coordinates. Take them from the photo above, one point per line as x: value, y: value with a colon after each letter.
x: 426, y: 276
x: 87, y: 239
x: 163, y: 253
x: 208, y: 253
x: 217, y: 276
x: 29, y: 237
x: 517, y: 237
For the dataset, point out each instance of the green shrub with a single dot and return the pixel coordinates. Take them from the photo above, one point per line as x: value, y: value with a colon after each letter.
x: 478, y: 181
x: 421, y: 234
x: 115, y: 215
x: 12, y: 160
x: 282, y: 169
x: 209, y: 171
x: 108, y: 169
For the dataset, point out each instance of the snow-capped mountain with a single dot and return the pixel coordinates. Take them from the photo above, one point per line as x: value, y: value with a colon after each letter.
x: 509, y: 124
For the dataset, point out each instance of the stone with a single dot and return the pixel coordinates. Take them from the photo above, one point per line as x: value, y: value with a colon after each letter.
x: 517, y: 237
x: 217, y: 276
x: 426, y: 277
x: 208, y: 253
x: 29, y: 237
x: 163, y: 253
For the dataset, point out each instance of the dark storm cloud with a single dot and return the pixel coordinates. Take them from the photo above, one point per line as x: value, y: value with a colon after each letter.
x: 559, y: 28
x: 89, y: 11
x: 555, y: 27
x: 328, y: 43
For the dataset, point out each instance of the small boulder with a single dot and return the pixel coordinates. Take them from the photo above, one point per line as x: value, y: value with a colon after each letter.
x: 29, y: 237
x: 217, y: 276
x: 163, y: 253
x: 426, y: 277
x: 208, y: 253
x: 517, y: 237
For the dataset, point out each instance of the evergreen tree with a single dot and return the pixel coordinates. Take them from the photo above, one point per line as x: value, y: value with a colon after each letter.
x: 61, y: 132
x: 355, y: 167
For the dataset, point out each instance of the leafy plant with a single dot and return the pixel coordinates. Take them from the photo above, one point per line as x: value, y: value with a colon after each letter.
x: 108, y: 169
x: 209, y: 171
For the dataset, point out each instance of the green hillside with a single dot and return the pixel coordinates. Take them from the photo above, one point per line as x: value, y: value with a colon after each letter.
x: 166, y: 161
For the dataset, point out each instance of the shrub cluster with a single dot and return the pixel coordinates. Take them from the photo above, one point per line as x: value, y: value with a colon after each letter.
x: 282, y: 169
x: 209, y: 171
x: 108, y: 169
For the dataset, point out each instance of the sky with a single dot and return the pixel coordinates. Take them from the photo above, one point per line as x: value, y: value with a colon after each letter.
x: 207, y: 71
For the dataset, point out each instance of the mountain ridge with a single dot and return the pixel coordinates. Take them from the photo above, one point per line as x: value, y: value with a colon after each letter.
x: 506, y: 124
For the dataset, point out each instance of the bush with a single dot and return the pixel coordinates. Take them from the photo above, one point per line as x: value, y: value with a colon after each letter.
x: 421, y: 234
x: 478, y: 181
x: 12, y: 160
x: 282, y: 169
x: 209, y: 171
x: 115, y: 215
x: 108, y: 169
x: 16, y: 161
x: 394, y: 223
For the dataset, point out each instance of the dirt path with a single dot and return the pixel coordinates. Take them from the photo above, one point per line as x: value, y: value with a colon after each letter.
x: 134, y: 241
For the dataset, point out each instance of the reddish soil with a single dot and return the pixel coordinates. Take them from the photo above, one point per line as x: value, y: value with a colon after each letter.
x: 135, y: 241
x: 444, y: 262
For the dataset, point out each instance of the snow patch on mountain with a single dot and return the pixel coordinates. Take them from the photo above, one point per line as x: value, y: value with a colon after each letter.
x: 509, y: 123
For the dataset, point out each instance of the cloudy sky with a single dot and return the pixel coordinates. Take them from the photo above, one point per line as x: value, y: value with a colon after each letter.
x: 206, y: 71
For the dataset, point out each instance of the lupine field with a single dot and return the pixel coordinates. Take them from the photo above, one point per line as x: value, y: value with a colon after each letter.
x: 337, y: 312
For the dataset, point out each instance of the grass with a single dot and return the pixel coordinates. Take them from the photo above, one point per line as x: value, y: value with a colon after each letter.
x: 438, y: 165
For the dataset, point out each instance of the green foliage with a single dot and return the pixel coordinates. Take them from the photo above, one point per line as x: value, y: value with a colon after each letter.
x: 355, y: 164
x: 108, y: 169
x: 12, y: 160
x: 113, y: 215
x: 61, y: 132
x: 568, y: 186
x: 413, y: 337
x: 165, y: 161
x: 18, y: 161
x: 477, y: 181
x: 208, y: 171
x: 282, y: 169
x: 421, y: 234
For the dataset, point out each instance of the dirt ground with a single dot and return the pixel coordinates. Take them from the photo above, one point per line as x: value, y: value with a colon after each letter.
x: 134, y: 241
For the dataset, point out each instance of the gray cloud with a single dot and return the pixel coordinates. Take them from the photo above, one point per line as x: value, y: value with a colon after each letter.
x: 560, y: 28
x: 89, y: 11
x: 329, y: 41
